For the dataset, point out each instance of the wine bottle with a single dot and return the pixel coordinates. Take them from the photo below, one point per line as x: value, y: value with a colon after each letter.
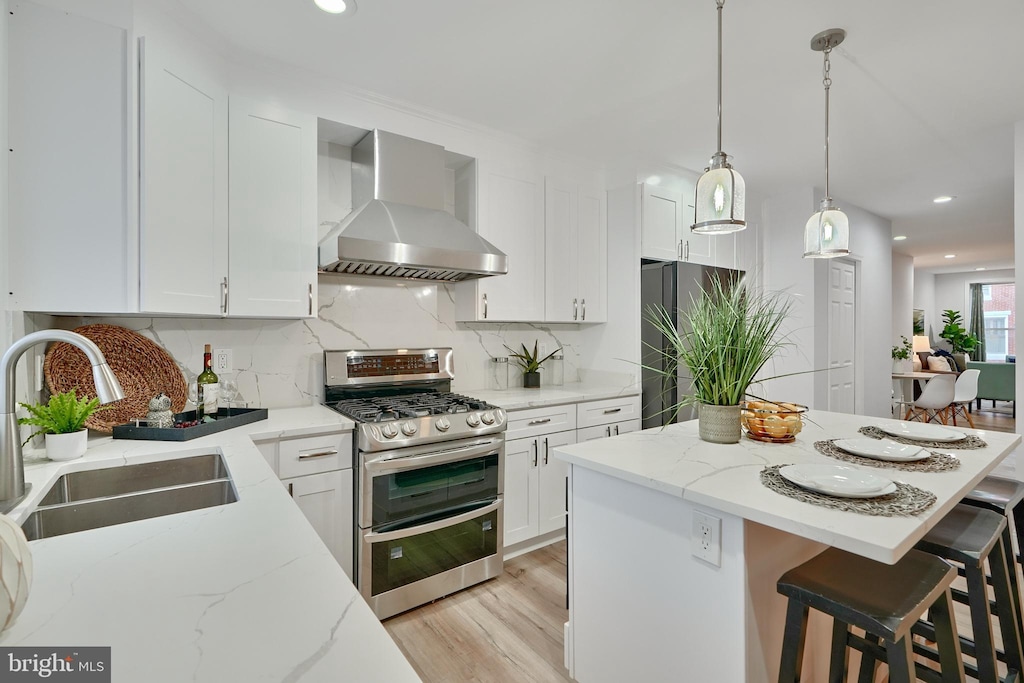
x: 207, y: 388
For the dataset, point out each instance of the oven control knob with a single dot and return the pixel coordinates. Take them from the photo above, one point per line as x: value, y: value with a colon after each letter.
x: 443, y: 424
x: 488, y: 418
x: 409, y: 428
x: 473, y: 420
x: 389, y: 431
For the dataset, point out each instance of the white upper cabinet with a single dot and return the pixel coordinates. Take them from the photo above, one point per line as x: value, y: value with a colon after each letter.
x: 183, y: 195
x: 72, y: 242
x: 577, y: 253
x: 511, y: 217
x: 661, y: 217
x: 273, y: 212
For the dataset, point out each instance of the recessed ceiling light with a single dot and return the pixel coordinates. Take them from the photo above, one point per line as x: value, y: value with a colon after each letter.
x: 336, y: 6
x: 899, y: 238
x: 950, y: 255
x: 979, y: 269
x: 653, y: 180
x: 943, y: 199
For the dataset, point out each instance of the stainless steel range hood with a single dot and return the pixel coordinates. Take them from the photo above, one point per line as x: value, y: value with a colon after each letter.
x: 401, y: 228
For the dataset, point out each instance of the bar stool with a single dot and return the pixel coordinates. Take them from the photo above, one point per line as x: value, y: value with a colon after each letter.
x: 884, y: 600
x: 972, y: 536
x: 1003, y: 496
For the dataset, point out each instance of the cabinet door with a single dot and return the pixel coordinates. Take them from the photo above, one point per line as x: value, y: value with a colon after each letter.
x: 553, y: 472
x: 183, y: 199
x: 592, y: 256
x: 561, y: 235
x: 512, y: 219
x: 72, y: 246
x: 625, y: 427
x: 594, y: 433
x: 520, y: 513
x: 273, y: 223
x: 326, y: 501
x: 660, y: 221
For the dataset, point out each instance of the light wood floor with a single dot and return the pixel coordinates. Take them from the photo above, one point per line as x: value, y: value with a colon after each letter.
x: 998, y: 419
x: 507, y: 629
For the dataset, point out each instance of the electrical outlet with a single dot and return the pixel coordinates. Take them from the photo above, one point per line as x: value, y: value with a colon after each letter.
x: 706, y: 540
x: 222, y: 361
x: 542, y: 349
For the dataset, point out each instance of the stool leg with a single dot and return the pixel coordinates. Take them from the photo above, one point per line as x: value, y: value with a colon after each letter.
x: 868, y: 664
x: 793, y: 642
x: 1007, y: 611
x: 946, y: 639
x: 839, y: 659
x: 901, y: 661
x: 981, y: 622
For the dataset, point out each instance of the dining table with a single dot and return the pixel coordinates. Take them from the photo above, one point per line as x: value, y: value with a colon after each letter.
x: 676, y: 544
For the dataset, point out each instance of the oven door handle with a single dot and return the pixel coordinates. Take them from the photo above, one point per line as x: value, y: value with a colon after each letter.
x: 441, y: 457
x: 374, y: 537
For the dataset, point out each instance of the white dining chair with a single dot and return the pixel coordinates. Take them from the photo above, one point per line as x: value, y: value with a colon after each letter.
x: 966, y: 391
x: 934, y: 401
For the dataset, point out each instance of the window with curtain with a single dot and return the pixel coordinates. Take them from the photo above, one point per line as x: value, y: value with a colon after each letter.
x: 998, y: 307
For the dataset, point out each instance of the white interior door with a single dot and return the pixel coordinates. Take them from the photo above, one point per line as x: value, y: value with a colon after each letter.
x: 842, y: 328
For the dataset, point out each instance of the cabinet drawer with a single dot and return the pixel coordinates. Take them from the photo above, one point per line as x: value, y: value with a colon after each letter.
x: 534, y: 421
x: 605, y: 431
x: 607, y: 411
x: 310, y: 455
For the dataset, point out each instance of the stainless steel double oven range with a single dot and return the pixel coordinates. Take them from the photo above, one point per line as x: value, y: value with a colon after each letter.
x: 428, y: 499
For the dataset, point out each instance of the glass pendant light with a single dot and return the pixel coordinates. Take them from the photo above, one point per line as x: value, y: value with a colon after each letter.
x: 827, y: 233
x: 719, y: 206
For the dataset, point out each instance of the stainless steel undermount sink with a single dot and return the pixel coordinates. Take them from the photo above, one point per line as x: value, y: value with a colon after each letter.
x: 115, y: 495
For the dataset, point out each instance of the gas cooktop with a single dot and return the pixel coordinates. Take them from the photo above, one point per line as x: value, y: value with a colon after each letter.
x: 403, y: 406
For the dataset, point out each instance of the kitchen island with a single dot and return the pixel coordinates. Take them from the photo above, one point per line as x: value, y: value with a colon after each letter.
x: 240, y: 592
x: 643, y: 607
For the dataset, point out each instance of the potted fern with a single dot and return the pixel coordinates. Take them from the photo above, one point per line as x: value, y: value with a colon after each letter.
x: 62, y: 422
x: 530, y: 363
x: 724, y: 338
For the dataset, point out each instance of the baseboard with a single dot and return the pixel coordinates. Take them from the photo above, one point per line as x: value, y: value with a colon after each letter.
x: 532, y: 544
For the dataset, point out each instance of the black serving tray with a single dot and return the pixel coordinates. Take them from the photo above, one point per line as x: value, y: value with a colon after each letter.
x: 227, y: 418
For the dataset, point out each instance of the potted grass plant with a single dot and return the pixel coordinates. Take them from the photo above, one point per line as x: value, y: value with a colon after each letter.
x: 62, y: 422
x: 530, y: 363
x: 723, y: 340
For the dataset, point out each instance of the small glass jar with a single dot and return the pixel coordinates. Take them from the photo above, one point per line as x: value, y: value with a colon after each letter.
x: 498, y: 372
x: 557, y: 370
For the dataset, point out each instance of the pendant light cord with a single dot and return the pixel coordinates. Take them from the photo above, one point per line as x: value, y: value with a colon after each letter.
x: 720, y: 3
x: 827, y: 81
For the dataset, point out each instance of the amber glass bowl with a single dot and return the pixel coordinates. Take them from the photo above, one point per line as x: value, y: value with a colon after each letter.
x: 772, y: 422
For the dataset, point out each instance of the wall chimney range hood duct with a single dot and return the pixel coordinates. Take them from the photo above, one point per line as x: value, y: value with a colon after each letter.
x: 400, y: 228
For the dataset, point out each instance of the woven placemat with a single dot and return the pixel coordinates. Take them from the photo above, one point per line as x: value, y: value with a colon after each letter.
x: 142, y: 367
x: 906, y: 501
x: 971, y: 443
x: 936, y: 462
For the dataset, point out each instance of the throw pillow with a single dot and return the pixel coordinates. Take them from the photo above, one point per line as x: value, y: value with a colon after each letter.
x: 938, y: 364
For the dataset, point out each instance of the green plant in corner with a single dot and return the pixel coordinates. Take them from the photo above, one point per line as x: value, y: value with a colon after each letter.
x: 953, y: 332
x: 530, y: 362
x: 902, y: 352
x: 62, y: 414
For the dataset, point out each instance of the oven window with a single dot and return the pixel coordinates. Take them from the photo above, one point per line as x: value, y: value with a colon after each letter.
x: 404, y: 498
x: 403, y: 561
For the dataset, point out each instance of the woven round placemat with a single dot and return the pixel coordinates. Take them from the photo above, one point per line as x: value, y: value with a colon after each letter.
x: 907, y: 500
x: 936, y: 462
x: 971, y: 443
x: 142, y: 367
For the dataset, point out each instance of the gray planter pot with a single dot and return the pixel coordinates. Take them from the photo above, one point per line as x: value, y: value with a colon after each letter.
x: 531, y: 380
x: 719, y: 424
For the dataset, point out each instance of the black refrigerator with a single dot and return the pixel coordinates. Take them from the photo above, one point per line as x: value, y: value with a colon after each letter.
x: 672, y: 285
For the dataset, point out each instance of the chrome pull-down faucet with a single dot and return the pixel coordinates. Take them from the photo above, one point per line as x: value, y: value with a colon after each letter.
x: 12, y: 469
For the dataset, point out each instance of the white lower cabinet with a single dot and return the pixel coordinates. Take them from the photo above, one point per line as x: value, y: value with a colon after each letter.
x: 604, y: 431
x: 534, y: 486
x: 317, y: 472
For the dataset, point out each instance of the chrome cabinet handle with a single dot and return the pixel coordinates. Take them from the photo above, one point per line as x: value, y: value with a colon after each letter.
x: 535, y: 452
x: 224, y: 296
x: 545, y: 451
x: 616, y: 430
x: 609, y: 411
x: 539, y: 422
x: 687, y: 256
x: 307, y: 456
x: 291, y: 489
x: 607, y: 431
x: 575, y: 309
x: 583, y: 303
x: 485, y: 307
x: 680, y: 250
x: 311, y: 298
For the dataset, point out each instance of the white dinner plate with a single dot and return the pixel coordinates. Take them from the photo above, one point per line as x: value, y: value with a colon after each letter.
x: 920, y: 431
x: 838, y: 480
x: 883, y: 449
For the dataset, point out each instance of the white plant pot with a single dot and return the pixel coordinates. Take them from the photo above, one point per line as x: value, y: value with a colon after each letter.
x: 16, y: 577
x: 67, y: 446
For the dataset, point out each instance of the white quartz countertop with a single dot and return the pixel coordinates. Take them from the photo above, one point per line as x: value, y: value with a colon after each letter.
x: 240, y: 592
x: 518, y: 398
x: 675, y: 461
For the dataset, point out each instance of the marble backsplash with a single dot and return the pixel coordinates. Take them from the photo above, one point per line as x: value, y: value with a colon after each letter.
x: 279, y: 363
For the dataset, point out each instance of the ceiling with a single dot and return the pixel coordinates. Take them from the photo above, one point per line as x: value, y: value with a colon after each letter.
x: 925, y: 92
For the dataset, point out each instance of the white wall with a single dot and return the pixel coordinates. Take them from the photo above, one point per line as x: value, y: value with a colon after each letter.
x: 1018, y: 249
x: 5, y: 315
x: 902, y: 297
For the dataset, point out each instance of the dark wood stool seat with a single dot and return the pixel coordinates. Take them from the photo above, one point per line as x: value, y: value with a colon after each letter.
x: 973, y: 536
x: 883, y: 600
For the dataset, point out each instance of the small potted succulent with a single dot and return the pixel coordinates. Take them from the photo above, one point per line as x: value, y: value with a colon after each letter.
x: 62, y: 421
x: 530, y: 364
